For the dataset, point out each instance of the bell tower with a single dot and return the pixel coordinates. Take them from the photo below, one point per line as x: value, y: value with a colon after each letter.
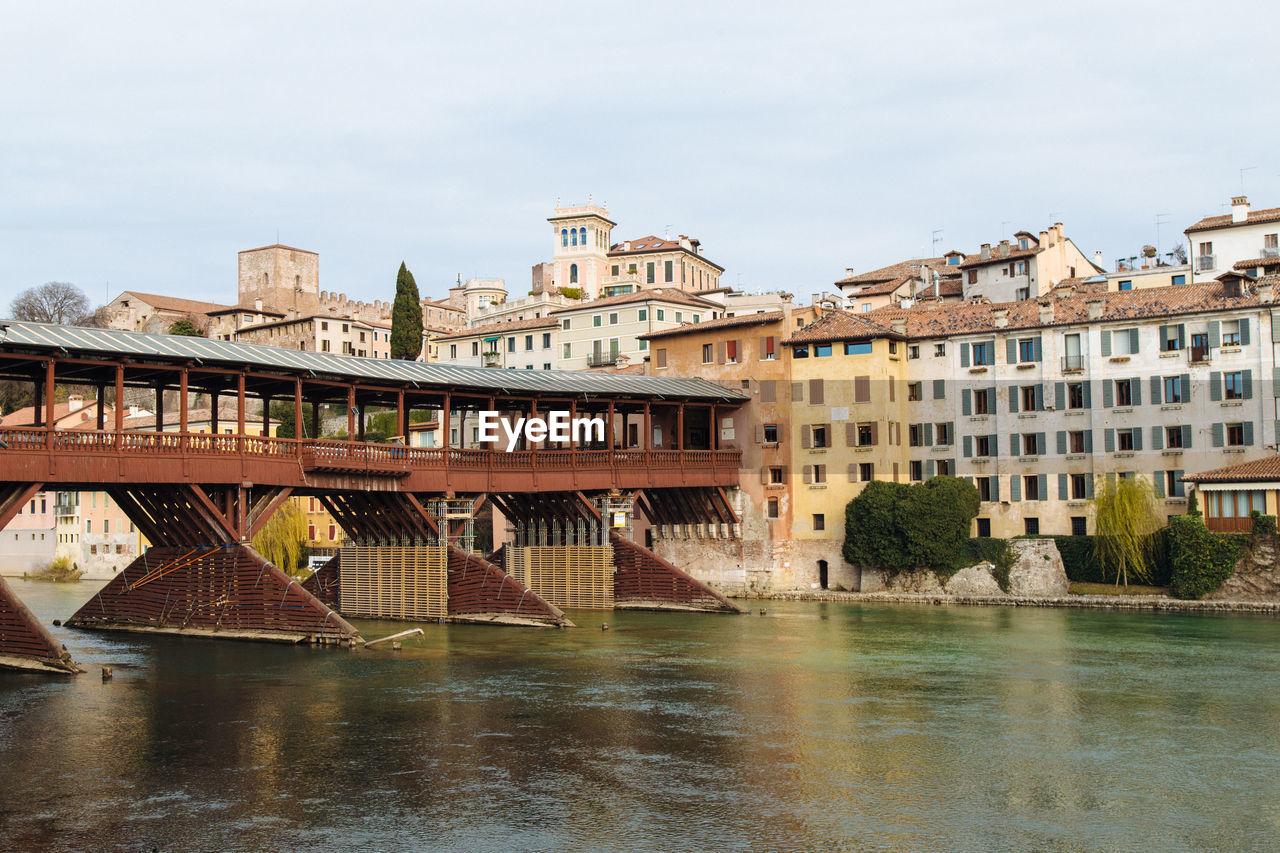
x: 581, y: 237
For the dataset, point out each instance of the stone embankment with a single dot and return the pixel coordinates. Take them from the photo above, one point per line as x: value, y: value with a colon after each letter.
x: 1087, y: 602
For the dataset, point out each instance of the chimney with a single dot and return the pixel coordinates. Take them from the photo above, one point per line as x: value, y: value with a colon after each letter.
x: 1046, y: 312
x: 1097, y: 258
x: 1001, y: 316
x: 1239, y: 209
x: 1004, y: 248
x: 848, y: 272
x: 899, y: 325
x: 986, y: 251
x: 1266, y: 291
x: 1044, y: 239
x: 74, y: 402
x: 133, y: 411
x: 1095, y: 306
x: 257, y: 305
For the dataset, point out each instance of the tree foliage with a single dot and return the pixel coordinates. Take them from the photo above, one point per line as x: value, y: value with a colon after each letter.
x: 406, y: 317
x: 1126, y: 518
x: 282, y: 539
x: 282, y: 413
x: 186, y: 328
x: 56, y: 302
x: 896, y: 527
x: 1201, y: 560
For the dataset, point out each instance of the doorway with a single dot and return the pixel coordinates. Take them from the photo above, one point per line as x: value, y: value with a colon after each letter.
x: 822, y: 573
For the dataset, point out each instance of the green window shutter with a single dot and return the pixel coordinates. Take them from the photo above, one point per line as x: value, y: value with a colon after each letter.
x: 1015, y: 488
x: 1109, y: 441
x: 928, y: 435
x: 1184, y: 385
x: 1062, y: 487
x: 995, y: 488
x: 1108, y: 393
x: 1182, y: 335
x: 968, y: 446
x: 1217, y: 435
x: 1157, y: 438
x: 939, y: 389
x: 1179, y: 487
x: 1039, y: 398
x: 1060, y: 395
x: 928, y: 468
x: 1215, y: 333
x: 1137, y: 439
x: 1275, y: 382
x: 1106, y: 342
x: 1062, y: 442
x: 1011, y: 350
x: 1088, y: 441
x: 991, y: 395
x: 1186, y: 436
x: 1133, y: 340
x: 951, y: 433
x: 1015, y: 445
x: 1215, y: 386
x: 1248, y: 433
x: 964, y: 355
x: 966, y: 401
x: 1088, y: 394
x: 1088, y: 487
x: 1135, y: 391
x: 1165, y: 334
x: 1042, y: 482
x: 1037, y: 349
x: 1247, y: 384
x: 1013, y: 399
x: 1041, y: 444
x: 1158, y: 477
x: 991, y: 352
x: 1244, y: 331
x: 1156, y: 390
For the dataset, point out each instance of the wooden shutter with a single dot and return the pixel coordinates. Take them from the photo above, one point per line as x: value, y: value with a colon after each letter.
x: 720, y: 352
x: 797, y: 392
x: 759, y: 433
x: 660, y: 357
x: 1106, y: 342
x: 851, y: 434
x: 816, y: 397
x: 862, y: 389
x: 808, y: 473
x: 768, y: 391
x: 875, y: 432
x: 806, y: 436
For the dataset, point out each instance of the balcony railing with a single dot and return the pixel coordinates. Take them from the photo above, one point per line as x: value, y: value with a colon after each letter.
x: 1073, y: 362
x: 1198, y: 355
x: 1270, y: 252
x: 602, y: 359
x: 1205, y: 262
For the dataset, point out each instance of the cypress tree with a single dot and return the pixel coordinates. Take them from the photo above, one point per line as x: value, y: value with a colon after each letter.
x: 406, y: 317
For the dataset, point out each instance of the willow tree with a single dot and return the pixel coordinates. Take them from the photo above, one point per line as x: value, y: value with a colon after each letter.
x: 1125, y: 518
x: 281, y: 539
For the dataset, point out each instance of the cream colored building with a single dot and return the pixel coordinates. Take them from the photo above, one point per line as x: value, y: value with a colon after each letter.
x: 515, y: 345
x: 608, y: 333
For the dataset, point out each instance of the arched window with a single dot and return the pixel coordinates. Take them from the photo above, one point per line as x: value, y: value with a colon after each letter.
x: 564, y: 237
x: 582, y: 236
x: 573, y: 236
x: 573, y: 273
x: 265, y: 279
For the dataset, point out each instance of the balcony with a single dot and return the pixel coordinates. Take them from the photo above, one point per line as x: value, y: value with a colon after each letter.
x: 1072, y: 363
x: 602, y: 359
x: 491, y: 359
x: 1198, y: 355
x: 1270, y: 252
x: 1205, y: 262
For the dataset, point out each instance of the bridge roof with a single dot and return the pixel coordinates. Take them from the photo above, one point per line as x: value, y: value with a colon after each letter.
x: 113, y: 343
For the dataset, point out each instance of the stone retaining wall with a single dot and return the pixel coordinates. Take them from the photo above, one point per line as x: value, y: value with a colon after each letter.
x: 1087, y: 602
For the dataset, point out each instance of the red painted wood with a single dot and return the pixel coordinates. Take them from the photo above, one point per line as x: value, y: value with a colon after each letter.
x: 23, y: 637
x: 643, y: 576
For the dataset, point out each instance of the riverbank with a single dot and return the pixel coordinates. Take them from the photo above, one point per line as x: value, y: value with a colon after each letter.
x: 1082, y: 602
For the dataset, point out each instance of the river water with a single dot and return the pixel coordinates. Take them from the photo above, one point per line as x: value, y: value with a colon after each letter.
x: 813, y: 727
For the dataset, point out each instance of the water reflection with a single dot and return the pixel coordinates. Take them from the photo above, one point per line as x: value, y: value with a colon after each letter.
x: 813, y: 727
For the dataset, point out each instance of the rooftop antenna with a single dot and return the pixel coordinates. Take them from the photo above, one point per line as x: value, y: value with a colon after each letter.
x: 937, y: 238
x: 1242, y: 171
x: 667, y: 235
x: 1003, y: 223
x: 1161, y: 219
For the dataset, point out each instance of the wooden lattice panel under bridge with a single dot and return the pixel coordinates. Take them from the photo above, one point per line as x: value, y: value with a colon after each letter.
x: 567, y: 576
x: 390, y: 582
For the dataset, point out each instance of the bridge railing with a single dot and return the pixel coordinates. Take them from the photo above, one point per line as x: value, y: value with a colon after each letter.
x: 322, y: 453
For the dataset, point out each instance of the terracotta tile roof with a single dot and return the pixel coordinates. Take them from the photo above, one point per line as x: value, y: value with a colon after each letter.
x: 932, y: 320
x: 1254, y: 263
x: 654, y: 294
x: 910, y: 267
x: 996, y: 257
x: 879, y: 288
x: 501, y: 328
x: 946, y: 287
x: 1255, y: 471
x: 650, y: 244
x: 26, y: 416
x: 1255, y: 217
x: 173, y: 303
x: 719, y: 323
x: 841, y: 325
x: 248, y: 309
x: 278, y: 246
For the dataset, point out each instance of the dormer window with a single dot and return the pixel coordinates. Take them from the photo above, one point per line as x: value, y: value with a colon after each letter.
x: 1022, y: 243
x: 1231, y: 287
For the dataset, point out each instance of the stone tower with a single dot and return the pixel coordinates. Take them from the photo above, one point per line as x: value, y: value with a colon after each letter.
x: 580, y: 252
x: 284, y: 278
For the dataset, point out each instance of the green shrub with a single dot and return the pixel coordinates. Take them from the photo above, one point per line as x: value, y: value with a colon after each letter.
x: 1201, y: 560
x: 1080, y: 559
x: 899, y: 527
x: 1263, y: 525
x: 994, y: 551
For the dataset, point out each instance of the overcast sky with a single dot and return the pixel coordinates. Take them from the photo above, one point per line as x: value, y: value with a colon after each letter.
x: 143, y: 145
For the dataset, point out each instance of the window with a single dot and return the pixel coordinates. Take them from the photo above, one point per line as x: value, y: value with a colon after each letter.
x: 1179, y: 279
x: 1233, y: 383
x: 866, y: 472
x: 1231, y: 333
x: 821, y: 350
x: 1029, y: 444
x: 1127, y: 284
x: 916, y: 471
x: 980, y: 353
x: 819, y: 521
x: 800, y: 352
x: 1124, y: 439
x: 708, y: 354
x: 1022, y: 293
x: 913, y: 351
x: 1031, y: 487
x: 775, y: 475
x: 773, y: 508
x: 667, y: 271
x: 643, y: 315
x: 1235, y: 435
x: 984, y: 494
x: 679, y: 316
x: 1031, y: 526
x: 546, y: 340
x: 1029, y: 398
x: 982, y: 445
x: 568, y: 350
x: 866, y: 435
x: 1173, y: 389
x: 939, y: 350
x: 475, y: 347
x: 596, y: 321
x: 1124, y: 392
x: 982, y: 402
x: 1173, y: 437
x: 819, y: 473
x: 944, y: 468
x: 661, y: 314
x: 511, y: 344
x: 942, y: 432
x: 973, y: 276
x: 770, y: 433
x: 648, y: 273
x: 820, y: 437
x: 546, y: 365
x: 861, y: 348
x: 1027, y: 349
x: 767, y: 353
x: 914, y: 391
x: 913, y: 435
x: 1075, y: 441
x: 893, y: 347
x: 1079, y: 488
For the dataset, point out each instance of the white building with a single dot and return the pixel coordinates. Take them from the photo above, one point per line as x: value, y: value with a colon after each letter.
x: 1028, y: 266
x: 1245, y: 239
